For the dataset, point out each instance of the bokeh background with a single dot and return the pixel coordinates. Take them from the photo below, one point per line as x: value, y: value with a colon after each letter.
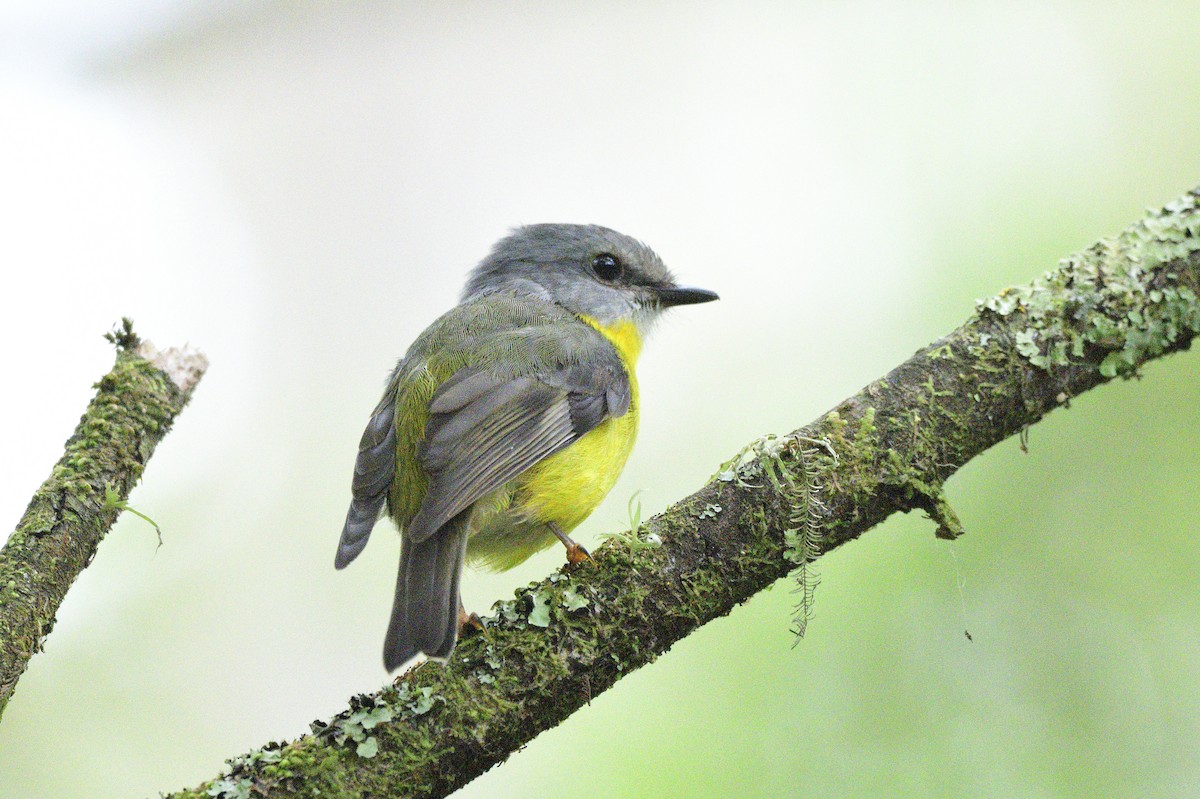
x: 299, y: 188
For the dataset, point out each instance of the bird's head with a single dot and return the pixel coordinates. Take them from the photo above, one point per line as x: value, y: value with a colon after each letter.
x: 589, y: 270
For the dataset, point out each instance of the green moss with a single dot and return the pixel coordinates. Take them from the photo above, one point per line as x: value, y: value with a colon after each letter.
x: 857, y: 454
x: 72, y: 510
x: 123, y: 336
x: 867, y: 464
x: 866, y: 426
x: 944, y: 352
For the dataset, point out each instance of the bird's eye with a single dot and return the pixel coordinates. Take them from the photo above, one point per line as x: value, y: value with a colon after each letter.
x: 607, y: 267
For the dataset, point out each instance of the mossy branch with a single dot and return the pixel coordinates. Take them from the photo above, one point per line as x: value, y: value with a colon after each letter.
x: 1101, y: 314
x: 57, y: 537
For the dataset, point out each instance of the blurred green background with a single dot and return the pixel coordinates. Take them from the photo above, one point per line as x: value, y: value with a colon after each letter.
x: 298, y: 189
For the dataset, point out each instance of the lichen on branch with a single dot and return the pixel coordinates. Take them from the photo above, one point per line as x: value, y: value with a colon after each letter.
x: 891, y: 447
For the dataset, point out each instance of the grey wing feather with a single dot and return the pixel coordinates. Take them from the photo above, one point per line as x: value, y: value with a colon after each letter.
x: 592, y: 387
x: 486, y: 415
x: 374, y: 470
x: 464, y: 386
x: 485, y: 430
x: 587, y: 410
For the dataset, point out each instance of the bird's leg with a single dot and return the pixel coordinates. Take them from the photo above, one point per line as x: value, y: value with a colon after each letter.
x: 468, y: 622
x: 576, y: 554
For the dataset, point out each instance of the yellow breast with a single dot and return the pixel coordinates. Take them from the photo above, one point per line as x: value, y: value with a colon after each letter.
x: 566, y: 487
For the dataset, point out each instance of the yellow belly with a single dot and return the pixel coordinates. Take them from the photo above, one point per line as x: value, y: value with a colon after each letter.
x: 566, y: 487
x: 511, y: 524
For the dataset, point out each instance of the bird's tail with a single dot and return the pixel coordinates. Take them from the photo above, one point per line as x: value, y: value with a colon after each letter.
x: 425, y: 612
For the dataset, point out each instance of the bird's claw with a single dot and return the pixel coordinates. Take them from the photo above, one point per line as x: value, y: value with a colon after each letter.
x: 576, y: 554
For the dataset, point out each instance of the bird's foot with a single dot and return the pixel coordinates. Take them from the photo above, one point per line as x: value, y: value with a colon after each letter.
x: 576, y: 554
x: 469, y: 623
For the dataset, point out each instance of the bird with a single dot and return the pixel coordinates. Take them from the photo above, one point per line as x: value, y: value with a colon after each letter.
x: 508, y: 420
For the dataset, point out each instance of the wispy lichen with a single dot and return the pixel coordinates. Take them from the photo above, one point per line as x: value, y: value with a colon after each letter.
x: 793, y: 466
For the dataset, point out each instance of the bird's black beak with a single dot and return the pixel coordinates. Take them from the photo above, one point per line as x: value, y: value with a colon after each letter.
x: 669, y: 296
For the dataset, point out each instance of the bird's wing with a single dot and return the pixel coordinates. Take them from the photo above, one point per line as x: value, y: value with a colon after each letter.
x: 374, y: 470
x: 485, y: 428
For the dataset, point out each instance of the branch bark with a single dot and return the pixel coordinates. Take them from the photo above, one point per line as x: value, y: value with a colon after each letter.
x: 1100, y: 315
x: 57, y: 537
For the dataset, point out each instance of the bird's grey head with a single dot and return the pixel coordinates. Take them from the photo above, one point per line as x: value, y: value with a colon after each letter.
x: 587, y: 269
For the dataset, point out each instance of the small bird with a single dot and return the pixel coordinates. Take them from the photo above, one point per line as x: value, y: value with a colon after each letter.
x: 508, y: 420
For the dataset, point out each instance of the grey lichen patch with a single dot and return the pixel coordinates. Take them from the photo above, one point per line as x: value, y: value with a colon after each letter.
x: 355, y: 727
x: 544, y: 616
x: 539, y: 609
x: 251, y: 773
x: 1121, y: 296
x: 263, y: 772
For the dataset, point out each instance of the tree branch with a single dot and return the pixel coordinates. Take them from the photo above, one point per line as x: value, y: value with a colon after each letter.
x: 1101, y: 314
x: 57, y: 537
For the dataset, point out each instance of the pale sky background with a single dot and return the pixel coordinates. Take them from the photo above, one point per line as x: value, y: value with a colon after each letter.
x: 299, y: 189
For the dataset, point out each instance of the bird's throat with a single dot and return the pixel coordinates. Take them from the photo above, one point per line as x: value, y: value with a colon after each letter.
x: 624, y: 336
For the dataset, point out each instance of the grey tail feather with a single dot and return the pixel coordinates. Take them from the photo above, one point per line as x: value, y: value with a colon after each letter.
x: 425, y: 612
x: 360, y: 520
